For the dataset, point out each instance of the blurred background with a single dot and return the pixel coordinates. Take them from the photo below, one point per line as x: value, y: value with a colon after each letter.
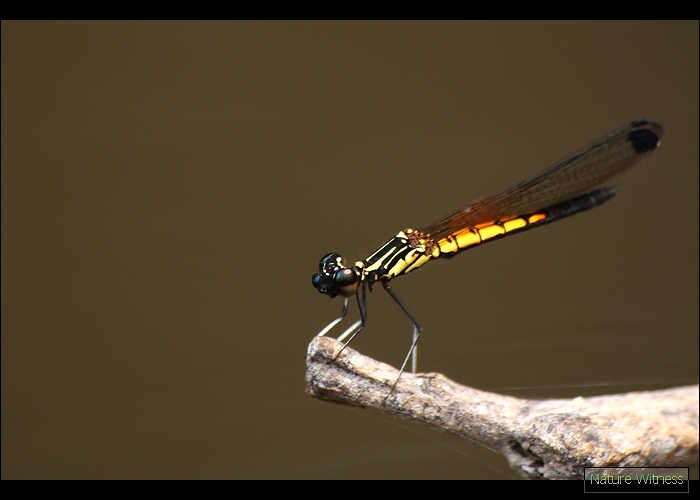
x: 168, y: 189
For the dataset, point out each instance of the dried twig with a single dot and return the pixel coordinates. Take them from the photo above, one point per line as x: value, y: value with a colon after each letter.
x: 552, y: 439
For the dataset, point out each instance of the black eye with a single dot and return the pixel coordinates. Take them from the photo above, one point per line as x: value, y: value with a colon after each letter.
x: 345, y: 277
x: 346, y: 282
x: 334, y: 279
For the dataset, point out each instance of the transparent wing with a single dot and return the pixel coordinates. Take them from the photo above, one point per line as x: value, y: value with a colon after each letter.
x: 566, y: 179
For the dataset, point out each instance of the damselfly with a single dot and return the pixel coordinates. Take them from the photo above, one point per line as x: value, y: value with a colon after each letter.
x: 562, y: 190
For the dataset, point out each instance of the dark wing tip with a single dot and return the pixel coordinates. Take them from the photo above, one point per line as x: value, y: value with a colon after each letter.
x: 645, y: 135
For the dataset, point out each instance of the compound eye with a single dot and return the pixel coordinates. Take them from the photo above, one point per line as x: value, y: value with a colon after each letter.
x: 345, y: 282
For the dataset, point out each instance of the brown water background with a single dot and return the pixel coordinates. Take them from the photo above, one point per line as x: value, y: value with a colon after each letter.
x: 169, y: 187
